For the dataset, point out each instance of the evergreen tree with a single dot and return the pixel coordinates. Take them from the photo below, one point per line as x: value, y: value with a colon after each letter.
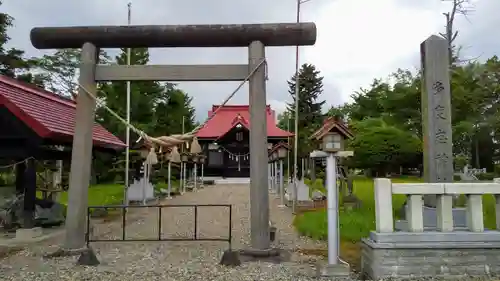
x: 284, y: 122
x: 143, y: 95
x: 310, y: 105
x: 171, y: 109
x: 310, y: 89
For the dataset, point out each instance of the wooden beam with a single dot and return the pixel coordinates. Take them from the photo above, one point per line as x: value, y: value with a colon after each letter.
x: 227, y: 72
x: 167, y: 36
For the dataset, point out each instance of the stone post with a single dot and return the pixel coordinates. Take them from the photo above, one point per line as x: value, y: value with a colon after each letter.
x: 259, y: 196
x: 81, y: 156
x: 282, y: 186
x: 436, y: 113
x: 29, y: 194
x: 169, y: 179
x: 383, y: 205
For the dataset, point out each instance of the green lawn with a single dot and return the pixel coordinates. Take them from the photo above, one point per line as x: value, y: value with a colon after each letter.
x: 101, y: 194
x: 107, y: 194
x: 357, y: 224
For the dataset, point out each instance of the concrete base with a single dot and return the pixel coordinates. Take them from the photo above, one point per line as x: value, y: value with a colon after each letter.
x: 333, y: 270
x: 88, y: 258
x: 417, y: 239
x: 230, y: 258
x: 430, y: 254
x: 270, y: 255
x: 27, y: 234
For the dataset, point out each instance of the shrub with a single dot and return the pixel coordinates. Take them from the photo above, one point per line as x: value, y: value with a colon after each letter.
x: 497, y: 170
x: 486, y: 176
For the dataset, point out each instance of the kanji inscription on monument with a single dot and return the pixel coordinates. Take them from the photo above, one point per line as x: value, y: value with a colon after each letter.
x: 436, y: 112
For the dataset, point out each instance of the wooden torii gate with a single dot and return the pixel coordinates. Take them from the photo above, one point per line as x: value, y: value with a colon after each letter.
x: 90, y: 38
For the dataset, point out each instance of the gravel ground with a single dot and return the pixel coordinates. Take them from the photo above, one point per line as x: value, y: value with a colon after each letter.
x: 173, y: 260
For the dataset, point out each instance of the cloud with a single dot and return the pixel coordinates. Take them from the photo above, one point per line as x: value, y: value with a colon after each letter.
x: 358, y: 40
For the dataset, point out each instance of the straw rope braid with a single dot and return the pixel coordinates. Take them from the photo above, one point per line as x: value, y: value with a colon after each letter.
x: 15, y: 164
x: 234, y: 154
x: 173, y: 140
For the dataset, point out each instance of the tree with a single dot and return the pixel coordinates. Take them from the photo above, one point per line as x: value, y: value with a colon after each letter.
x: 173, y: 111
x: 143, y: 95
x: 383, y: 148
x: 156, y: 108
x: 12, y: 61
x: 341, y: 112
x: 60, y: 70
x: 310, y: 105
x: 462, y: 7
x: 284, y: 122
x: 475, y: 108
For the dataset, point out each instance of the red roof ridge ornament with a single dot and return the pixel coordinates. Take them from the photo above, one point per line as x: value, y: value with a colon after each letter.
x: 239, y: 119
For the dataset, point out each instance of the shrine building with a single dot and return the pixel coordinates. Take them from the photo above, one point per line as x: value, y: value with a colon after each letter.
x: 225, y: 140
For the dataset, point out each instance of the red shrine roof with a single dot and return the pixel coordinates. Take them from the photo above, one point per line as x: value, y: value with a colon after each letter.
x: 47, y: 114
x: 230, y: 116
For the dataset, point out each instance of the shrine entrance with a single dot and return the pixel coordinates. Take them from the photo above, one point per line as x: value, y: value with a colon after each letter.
x: 236, y: 150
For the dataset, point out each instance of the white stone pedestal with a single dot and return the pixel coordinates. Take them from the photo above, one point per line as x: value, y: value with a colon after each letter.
x: 140, y: 189
x: 333, y: 270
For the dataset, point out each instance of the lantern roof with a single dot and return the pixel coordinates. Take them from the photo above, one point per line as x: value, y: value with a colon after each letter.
x: 278, y: 146
x: 332, y: 124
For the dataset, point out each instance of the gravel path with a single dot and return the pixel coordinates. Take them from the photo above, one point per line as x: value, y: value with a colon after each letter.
x: 174, y: 260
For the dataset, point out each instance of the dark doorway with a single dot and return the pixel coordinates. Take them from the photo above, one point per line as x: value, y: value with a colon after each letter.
x: 236, y: 152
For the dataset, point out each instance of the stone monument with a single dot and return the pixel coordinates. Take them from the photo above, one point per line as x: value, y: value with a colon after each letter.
x: 437, y: 132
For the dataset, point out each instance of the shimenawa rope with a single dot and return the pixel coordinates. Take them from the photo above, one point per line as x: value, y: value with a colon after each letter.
x: 168, y: 141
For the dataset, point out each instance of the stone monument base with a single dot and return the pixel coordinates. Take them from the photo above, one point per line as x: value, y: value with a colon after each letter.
x: 430, y: 254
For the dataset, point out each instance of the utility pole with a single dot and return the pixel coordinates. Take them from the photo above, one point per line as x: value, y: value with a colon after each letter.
x: 288, y: 151
x: 297, y: 93
x: 296, y: 131
x: 183, y: 164
x: 127, y: 150
x: 183, y: 122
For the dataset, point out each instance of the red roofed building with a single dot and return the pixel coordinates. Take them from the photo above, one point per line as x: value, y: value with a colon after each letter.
x: 225, y: 140
x: 32, y: 118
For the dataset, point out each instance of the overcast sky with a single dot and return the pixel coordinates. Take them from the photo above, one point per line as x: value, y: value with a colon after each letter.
x: 358, y: 40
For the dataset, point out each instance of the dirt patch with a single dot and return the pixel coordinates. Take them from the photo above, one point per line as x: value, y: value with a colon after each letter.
x: 7, y: 251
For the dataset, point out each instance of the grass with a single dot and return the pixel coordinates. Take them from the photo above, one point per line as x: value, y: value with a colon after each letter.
x: 100, y: 194
x: 107, y: 194
x: 354, y: 224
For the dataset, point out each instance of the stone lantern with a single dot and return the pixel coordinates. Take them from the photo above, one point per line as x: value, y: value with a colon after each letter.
x: 332, y: 136
x: 280, y: 153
